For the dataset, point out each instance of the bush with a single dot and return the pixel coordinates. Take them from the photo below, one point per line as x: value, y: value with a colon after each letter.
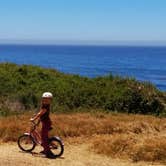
x: 26, y: 83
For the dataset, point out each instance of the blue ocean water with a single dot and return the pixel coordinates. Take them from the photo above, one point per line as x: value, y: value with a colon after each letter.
x: 144, y: 63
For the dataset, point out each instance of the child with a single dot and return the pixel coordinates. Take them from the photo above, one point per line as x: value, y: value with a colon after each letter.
x: 43, y: 115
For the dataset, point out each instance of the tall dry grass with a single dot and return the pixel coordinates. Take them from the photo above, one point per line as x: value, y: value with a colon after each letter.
x: 86, y: 124
x: 136, y: 148
x: 135, y: 137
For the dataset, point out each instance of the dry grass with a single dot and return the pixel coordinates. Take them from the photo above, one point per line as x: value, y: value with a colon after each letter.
x: 119, y: 145
x: 131, y: 147
x: 152, y: 149
x: 74, y: 125
x: 136, y: 137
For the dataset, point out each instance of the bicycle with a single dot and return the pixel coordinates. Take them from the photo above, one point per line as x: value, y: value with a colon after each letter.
x: 28, y: 141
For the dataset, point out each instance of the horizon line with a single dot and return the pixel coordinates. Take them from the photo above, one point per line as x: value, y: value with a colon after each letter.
x: 84, y: 42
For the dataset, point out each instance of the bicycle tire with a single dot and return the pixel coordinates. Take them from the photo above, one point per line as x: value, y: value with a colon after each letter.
x: 60, y: 145
x: 25, y: 136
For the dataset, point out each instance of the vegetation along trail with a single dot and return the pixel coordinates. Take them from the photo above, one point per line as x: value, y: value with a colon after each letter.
x: 91, y: 139
x: 75, y: 155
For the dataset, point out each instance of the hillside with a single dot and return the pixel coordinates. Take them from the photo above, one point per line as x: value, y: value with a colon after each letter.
x: 21, y: 87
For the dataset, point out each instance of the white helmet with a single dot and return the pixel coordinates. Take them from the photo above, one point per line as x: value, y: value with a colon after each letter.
x: 47, y: 95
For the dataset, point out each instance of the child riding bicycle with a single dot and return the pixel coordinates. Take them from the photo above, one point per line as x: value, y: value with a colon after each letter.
x: 43, y: 115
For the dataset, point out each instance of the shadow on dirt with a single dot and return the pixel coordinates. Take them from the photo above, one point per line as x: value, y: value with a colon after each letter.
x: 35, y: 154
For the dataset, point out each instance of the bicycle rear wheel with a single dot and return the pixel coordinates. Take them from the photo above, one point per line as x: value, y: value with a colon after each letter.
x: 26, y: 143
x: 56, y: 146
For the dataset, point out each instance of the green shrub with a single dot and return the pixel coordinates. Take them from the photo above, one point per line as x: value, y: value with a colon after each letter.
x: 26, y: 83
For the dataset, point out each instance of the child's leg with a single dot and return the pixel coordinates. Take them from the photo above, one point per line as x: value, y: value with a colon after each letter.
x: 44, y: 137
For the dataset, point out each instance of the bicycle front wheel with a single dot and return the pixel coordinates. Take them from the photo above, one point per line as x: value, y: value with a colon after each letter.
x: 26, y: 143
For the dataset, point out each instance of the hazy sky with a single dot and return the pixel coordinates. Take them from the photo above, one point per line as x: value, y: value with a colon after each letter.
x: 82, y: 20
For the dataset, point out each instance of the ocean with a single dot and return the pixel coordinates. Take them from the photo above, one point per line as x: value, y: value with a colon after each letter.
x: 145, y: 63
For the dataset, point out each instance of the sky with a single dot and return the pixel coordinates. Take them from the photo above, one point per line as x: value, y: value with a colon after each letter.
x: 83, y: 21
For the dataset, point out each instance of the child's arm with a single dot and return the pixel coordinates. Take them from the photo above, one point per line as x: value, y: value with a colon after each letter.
x: 38, y: 115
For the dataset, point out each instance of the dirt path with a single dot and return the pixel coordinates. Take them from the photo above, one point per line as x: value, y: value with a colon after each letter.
x: 75, y: 155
